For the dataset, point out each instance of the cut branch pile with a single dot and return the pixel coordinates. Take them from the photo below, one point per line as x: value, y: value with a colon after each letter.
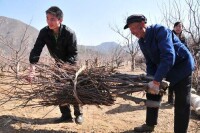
x: 69, y: 84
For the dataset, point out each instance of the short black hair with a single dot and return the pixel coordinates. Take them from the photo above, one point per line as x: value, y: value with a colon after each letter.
x: 54, y: 10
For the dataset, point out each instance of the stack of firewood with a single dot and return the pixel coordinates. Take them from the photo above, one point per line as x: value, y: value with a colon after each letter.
x: 67, y: 84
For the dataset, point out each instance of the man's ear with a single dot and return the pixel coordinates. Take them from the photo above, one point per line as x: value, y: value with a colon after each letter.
x: 61, y: 19
x: 143, y: 24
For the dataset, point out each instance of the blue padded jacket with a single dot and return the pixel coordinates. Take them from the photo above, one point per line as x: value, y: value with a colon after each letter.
x: 166, y: 57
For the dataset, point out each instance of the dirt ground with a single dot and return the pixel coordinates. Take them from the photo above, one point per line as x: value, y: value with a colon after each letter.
x: 121, y: 117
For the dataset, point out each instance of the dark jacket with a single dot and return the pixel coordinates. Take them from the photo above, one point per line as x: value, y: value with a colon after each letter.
x: 166, y: 57
x: 63, y: 49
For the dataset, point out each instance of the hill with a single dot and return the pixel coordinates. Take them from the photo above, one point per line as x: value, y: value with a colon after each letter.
x: 103, y: 48
x: 12, y: 32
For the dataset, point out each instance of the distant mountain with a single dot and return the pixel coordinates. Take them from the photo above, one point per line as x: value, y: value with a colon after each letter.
x: 12, y: 31
x: 105, y: 47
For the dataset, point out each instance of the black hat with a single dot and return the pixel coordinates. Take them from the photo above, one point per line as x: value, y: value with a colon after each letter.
x: 135, y: 18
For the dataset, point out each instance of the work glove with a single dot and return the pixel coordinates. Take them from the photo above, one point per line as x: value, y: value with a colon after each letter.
x: 153, y: 87
x: 31, y: 74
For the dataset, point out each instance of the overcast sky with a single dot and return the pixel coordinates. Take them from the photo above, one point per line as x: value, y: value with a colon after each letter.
x: 90, y: 19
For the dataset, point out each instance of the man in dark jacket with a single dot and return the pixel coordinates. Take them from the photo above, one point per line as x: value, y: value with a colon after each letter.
x: 166, y: 57
x: 62, y: 45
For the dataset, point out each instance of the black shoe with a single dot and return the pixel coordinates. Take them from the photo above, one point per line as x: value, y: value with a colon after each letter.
x: 63, y: 119
x: 144, y: 128
x: 79, y: 119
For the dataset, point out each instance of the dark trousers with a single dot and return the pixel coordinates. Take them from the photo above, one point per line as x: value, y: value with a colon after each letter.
x: 181, y: 108
x: 152, y: 113
x: 170, y: 95
x: 182, y: 105
x: 65, y: 110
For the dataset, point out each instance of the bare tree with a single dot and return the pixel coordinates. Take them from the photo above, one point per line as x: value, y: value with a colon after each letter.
x: 132, y: 47
x: 117, y: 55
x: 2, y: 61
x: 16, y: 54
x: 193, y: 30
x: 190, y: 12
x: 172, y: 11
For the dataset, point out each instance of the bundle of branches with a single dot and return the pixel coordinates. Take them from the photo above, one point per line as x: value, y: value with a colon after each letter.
x: 67, y: 84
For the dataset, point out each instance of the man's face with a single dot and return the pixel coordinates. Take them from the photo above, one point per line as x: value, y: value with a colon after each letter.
x: 137, y: 29
x: 53, y: 22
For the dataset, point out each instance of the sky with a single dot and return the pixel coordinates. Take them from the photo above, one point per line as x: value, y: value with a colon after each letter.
x: 90, y: 19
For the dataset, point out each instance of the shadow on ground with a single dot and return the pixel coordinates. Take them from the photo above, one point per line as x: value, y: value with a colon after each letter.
x: 125, y: 108
x: 129, y: 108
x: 6, y: 122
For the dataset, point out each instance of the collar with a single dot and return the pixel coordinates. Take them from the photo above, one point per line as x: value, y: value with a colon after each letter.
x: 60, y: 29
x: 147, y: 34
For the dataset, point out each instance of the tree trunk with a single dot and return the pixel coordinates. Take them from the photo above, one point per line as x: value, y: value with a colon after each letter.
x: 17, y: 69
x: 133, y: 64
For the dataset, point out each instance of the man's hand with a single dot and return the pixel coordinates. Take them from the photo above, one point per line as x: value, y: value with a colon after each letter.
x: 153, y: 87
x: 31, y: 74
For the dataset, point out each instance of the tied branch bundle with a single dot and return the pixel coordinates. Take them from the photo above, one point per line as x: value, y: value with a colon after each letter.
x: 67, y: 84
x: 95, y: 86
x: 72, y: 85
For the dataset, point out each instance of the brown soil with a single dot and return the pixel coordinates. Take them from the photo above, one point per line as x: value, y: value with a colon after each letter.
x: 122, y: 117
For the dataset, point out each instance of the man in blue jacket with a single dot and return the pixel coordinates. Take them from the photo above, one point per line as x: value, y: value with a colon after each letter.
x: 166, y: 57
